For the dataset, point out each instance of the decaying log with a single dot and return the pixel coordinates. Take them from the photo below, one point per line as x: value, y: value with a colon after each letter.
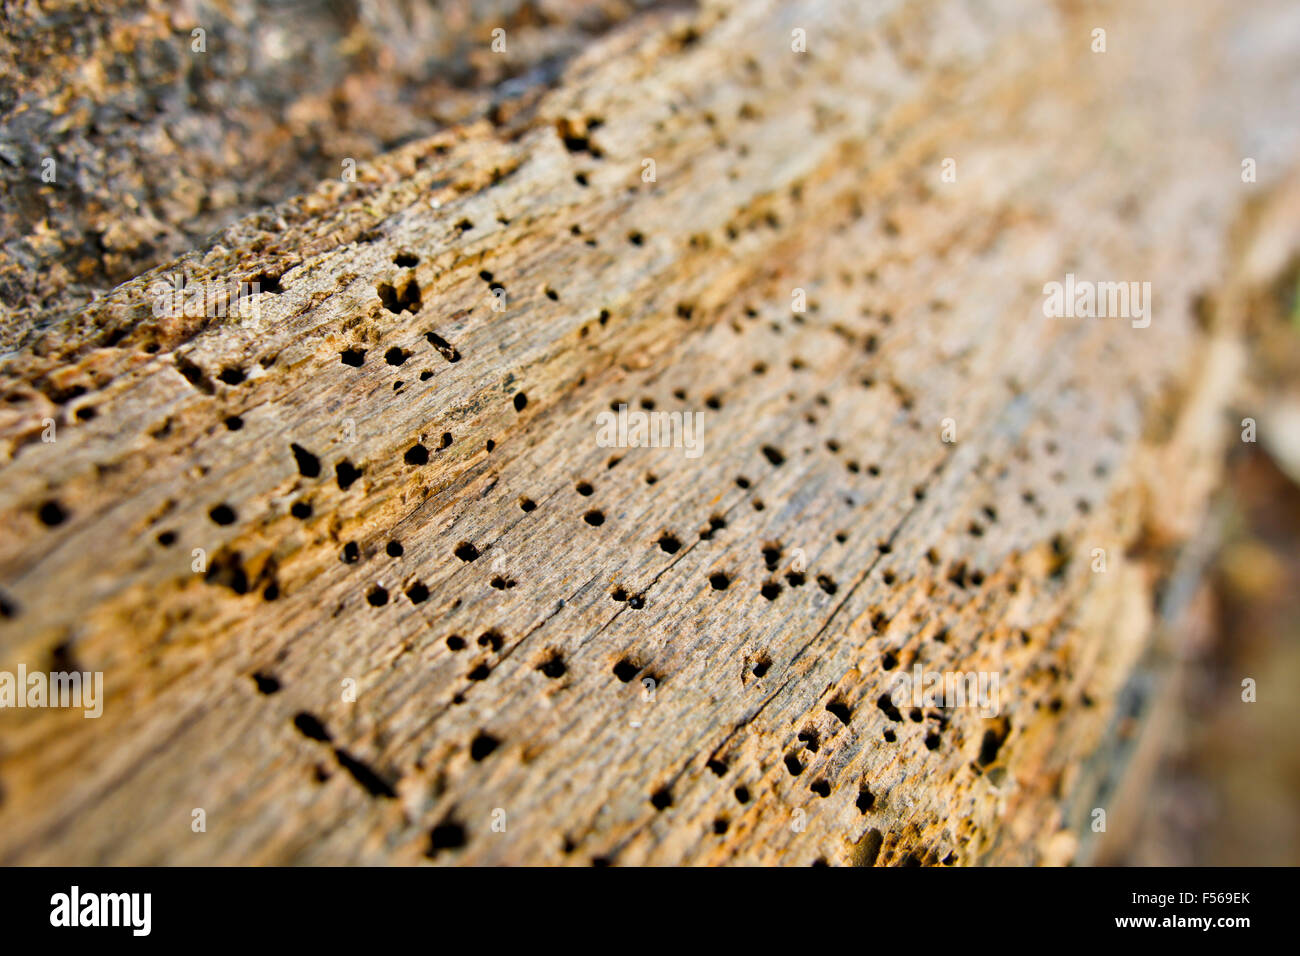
x: 130, y: 132
x: 435, y: 618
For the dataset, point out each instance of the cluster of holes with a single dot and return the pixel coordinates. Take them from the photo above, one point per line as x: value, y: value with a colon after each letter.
x: 625, y: 670
x: 449, y: 833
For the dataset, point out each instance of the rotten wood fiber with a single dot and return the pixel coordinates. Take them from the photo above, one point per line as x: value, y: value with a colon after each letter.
x: 399, y: 487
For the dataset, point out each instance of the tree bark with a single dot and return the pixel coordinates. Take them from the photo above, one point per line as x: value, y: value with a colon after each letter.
x: 436, y: 619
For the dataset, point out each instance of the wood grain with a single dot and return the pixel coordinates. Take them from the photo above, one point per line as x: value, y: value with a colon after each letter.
x: 511, y: 687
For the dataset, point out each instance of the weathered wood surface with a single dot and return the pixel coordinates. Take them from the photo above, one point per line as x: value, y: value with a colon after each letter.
x: 513, y: 682
x: 160, y: 136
